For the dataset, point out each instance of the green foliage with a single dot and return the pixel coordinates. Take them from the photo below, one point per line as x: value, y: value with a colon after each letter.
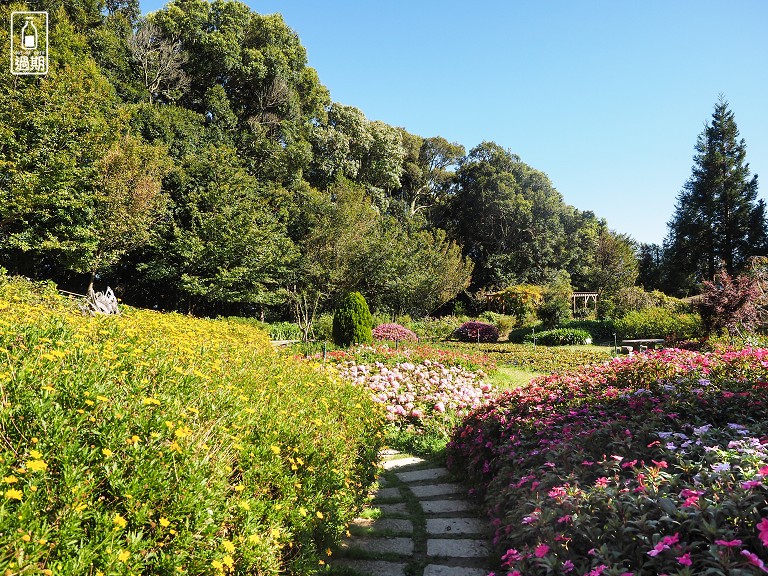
x: 600, y: 330
x: 560, y: 337
x: 503, y: 322
x: 659, y: 323
x: 161, y: 443
x: 519, y: 300
x: 718, y: 217
x: 284, y: 331
x: 352, y: 321
x: 441, y: 328
x: 557, y: 301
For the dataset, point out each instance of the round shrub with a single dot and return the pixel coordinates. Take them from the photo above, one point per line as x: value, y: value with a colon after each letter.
x: 477, y: 332
x: 352, y: 321
x: 561, y: 337
x: 393, y: 332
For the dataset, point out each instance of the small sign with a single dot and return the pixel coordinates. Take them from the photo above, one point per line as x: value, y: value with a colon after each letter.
x: 29, y: 43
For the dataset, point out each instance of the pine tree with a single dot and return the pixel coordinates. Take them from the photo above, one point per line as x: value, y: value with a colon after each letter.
x: 718, y: 220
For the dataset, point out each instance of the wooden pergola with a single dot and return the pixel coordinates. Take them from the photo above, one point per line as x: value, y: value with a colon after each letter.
x: 586, y: 297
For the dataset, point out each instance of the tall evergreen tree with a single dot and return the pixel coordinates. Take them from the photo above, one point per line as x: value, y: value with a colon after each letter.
x: 718, y: 220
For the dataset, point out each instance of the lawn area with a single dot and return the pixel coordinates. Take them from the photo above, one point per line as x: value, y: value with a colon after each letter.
x: 508, y: 377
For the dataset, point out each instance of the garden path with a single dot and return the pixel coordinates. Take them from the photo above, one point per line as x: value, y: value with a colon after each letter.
x: 424, y: 526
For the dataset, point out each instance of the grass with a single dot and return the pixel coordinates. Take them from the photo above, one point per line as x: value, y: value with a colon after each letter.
x: 509, y: 377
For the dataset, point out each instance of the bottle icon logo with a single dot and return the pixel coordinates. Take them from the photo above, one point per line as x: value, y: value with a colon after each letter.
x: 29, y: 34
x: 29, y: 43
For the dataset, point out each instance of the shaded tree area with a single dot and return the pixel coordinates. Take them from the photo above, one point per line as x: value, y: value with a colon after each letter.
x: 194, y: 161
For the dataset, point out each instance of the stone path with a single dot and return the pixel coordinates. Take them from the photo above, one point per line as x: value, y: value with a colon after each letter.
x: 418, y: 524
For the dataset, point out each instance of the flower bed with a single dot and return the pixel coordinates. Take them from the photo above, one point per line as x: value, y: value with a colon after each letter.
x: 646, y: 465
x: 394, y: 332
x: 159, y: 444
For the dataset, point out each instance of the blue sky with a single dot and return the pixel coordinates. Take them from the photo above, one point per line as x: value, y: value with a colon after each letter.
x: 605, y: 97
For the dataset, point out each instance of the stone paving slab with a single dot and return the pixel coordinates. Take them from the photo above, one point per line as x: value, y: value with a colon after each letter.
x: 457, y: 548
x: 419, y: 475
x: 439, y: 570
x: 382, y: 524
x: 371, y: 567
x: 455, y: 526
x: 398, y: 508
x: 401, y: 546
x: 435, y: 490
x: 400, y: 462
x: 445, y: 506
x: 388, y: 493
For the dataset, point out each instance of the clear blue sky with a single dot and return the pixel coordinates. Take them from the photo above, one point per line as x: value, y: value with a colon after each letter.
x: 606, y: 97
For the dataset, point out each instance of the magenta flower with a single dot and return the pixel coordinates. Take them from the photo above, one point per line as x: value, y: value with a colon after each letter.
x: 754, y: 559
x: 729, y: 543
x: 749, y: 484
x: 541, y: 551
x: 762, y: 527
x: 567, y: 566
x: 685, y: 559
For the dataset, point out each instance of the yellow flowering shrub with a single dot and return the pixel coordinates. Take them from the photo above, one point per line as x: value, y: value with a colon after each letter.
x: 158, y: 443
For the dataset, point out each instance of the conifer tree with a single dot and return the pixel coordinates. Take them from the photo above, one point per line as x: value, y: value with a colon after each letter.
x: 718, y: 220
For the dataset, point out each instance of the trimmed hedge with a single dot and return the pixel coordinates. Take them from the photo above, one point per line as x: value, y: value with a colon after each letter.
x: 477, y: 332
x: 561, y: 337
x: 659, y: 323
x: 352, y: 321
x: 393, y: 332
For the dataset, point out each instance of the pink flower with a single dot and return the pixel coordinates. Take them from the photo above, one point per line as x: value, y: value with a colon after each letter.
x: 512, y: 555
x: 440, y: 407
x: 541, y: 551
x: 601, y: 482
x: 762, y: 527
x: 754, y: 559
x: 597, y: 570
x: 729, y: 543
x: 685, y: 559
x: 567, y: 566
x: 749, y: 484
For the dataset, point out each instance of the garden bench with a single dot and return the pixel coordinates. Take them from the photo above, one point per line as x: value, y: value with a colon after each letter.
x: 643, y: 343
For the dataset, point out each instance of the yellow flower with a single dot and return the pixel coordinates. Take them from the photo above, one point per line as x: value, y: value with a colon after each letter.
x: 36, y: 465
x: 123, y: 556
x: 13, y: 494
x: 10, y: 479
x: 107, y: 452
x: 35, y: 454
x: 228, y: 546
x: 319, y: 514
x: 164, y: 522
x: 239, y: 488
x: 303, y: 511
x: 244, y: 505
x: 80, y: 507
x: 228, y: 561
x: 254, y: 538
x: 102, y: 398
x: 34, y: 440
x: 26, y: 537
x: 275, y: 449
x: 119, y: 521
x: 218, y: 565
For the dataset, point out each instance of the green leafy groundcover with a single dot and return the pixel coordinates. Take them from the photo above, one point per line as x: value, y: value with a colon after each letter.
x: 655, y: 464
x: 158, y: 444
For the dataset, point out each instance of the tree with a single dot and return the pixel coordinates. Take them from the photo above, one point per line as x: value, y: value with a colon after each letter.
x: 128, y: 201
x: 729, y: 304
x: 718, y: 220
x: 159, y: 61
x: 614, y: 264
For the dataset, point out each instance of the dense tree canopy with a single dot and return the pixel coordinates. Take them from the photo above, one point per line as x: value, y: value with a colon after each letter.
x: 718, y: 220
x: 211, y: 172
